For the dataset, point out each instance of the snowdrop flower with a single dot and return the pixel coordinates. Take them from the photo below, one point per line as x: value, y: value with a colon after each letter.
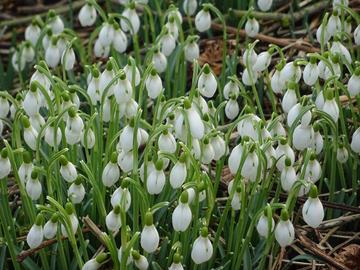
x: 263, y: 225
x: 282, y: 152
x: 140, y: 261
x: 252, y: 26
x: 171, y: 25
x: 50, y: 135
x: 55, y: 23
x: 338, y: 48
x: 303, y: 137
x: 263, y: 60
x: 264, y: 5
x: 219, y: 146
x: 355, y: 142
x: 203, y: 20
x: 181, y: 217
x: 52, y: 53
x: 250, y: 167
x: 313, y: 211
x: 231, y: 88
x: 4, y: 107
x: 196, y: 125
x: 290, y: 99
x: 249, y: 57
x: 30, y: 134
x: 159, y: 61
x: 129, y: 68
x: 67, y: 170
x: 100, y: 50
x: 150, y: 167
x: 76, y: 191
x: 121, y: 254
x: 342, y: 154
x: 105, y: 78
x: 189, y: 7
x: 178, y: 173
x: 123, y: 90
x: 330, y: 106
x: 236, y: 200
x: 33, y: 186
x: 37, y: 122
x: 167, y: 43
x: 74, y: 127
x: 354, y: 83
x: 125, y: 160
x: 68, y: 59
x: 288, y: 176
x: 357, y: 35
x: 156, y: 179
x: 126, y: 140
x: 294, y: 113
x: 122, y: 196
x: 32, y: 101
x: 176, y: 264
x: 249, y: 76
x: 120, y: 40
x: 94, y: 264
x: 5, y: 166
x: 87, y: 15
x: 106, y: 34
x: 15, y: 59
x: 149, y: 239
x: 313, y: 169
x: 191, y: 49
x: 284, y: 231
x: 235, y: 158
x: 113, y: 219
x: 291, y: 72
x: 318, y: 139
x: 89, y: 135
x: 69, y: 208
x: 32, y: 33
x: 247, y: 126
x: 153, y: 84
x: 50, y: 227
x: 25, y: 168
x: 323, y: 30
x: 35, y: 236
x: 276, y: 81
x: 207, y: 152
x: 311, y: 72
x: 133, y: 18
x: 111, y: 172
x: 207, y: 82
x: 202, y: 249
x: 334, y: 23
x: 28, y: 52
x: 166, y: 142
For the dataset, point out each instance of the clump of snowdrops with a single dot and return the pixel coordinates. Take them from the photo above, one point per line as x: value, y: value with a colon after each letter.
x: 113, y: 132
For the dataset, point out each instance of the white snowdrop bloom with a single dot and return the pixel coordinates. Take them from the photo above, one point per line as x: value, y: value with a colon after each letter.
x: 52, y: 54
x: 278, y: 130
x: 192, y: 50
x: 72, y: 137
x: 355, y: 141
x: 106, y: 34
x: 133, y: 18
x: 47, y: 39
x: 249, y: 57
x: 129, y: 69
x: 313, y: 210
x: 171, y: 25
x: 4, y: 107
x: 235, y: 158
x: 69, y: 208
x: 28, y: 52
x: 166, y: 142
x: 176, y: 266
x: 336, y: 68
x: 219, y: 146
x: 264, y: 5
x: 189, y: 7
x: 207, y: 82
x: 288, y: 176
x: 122, y: 196
x: 41, y: 78
x: 125, y: 160
x: 203, y: 20
x: 200, y: 104
x: 263, y: 61
x: 178, y: 173
x: 249, y: 76
x: 262, y: 226
x: 25, y: 168
x: 318, y: 140
x: 294, y: 113
x: 251, y: 165
x: 32, y: 33
x: 319, y: 33
x: 149, y: 239
x: 196, y: 148
x: 121, y: 254
x: 357, y: 35
x: 284, y: 231
x: 247, y: 126
x: 51, y: 226
x: 232, y: 109
x: 330, y: 106
x: 55, y: 23
x: 338, y: 48
x: 334, y: 23
x: 322, y: 68
x: 95, y: 263
x: 120, y: 40
x: 282, y: 151
x: 342, y: 154
x: 236, y: 200
x: 127, y: 137
x: 252, y: 27
x: 35, y: 235
x: 289, y: 99
x: 277, y: 83
x: 196, y: 125
x: 30, y: 134
x: 159, y: 61
x: 335, y: 3
x: 33, y: 186
x: 311, y: 72
x: 67, y: 170
x: 140, y: 260
x: 167, y: 44
x: 68, y: 59
x: 87, y: 15
x: 313, y: 169
x: 181, y: 217
x: 15, y: 61
x: 269, y: 154
x: 32, y: 102
x: 100, y: 50
x: 5, y: 165
x: 105, y: 78
x: 50, y: 136
x: 62, y: 43
x: 153, y: 84
x: 76, y: 191
x: 111, y: 172
x: 348, y: 25
x: 150, y: 167
x: 202, y: 249
x: 89, y: 135
x: 303, y: 137
x: 37, y: 122
x: 113, y: 219
x: 291, y: 72
x: 93, y: 89
x: 353, y: 85
x: 207, y: 152
x: 123, y: 90
x: 231, y: 88
x: 156, y: 179
x: 320, y: 100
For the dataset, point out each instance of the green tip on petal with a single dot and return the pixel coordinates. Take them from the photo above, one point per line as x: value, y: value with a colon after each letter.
x: 204, y: 232
x: 184, y: 198
x: 159, y: 164
x: 101, y: 257
x: 187, y: 104
x: 69, y: 208
x: 284, y: 215
x: 114, y: 157
x: 177, y: 258
x: 39, y: 221
x: 54, y: 218
x: 63, y: 160
x: 4, y: 153
x: 149, y: 220
x: 135, y: 254
x: 313, y: 193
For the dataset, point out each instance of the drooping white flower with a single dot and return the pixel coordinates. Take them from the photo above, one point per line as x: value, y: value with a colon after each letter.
x: 313, y: 169
x: 131, y: 69
x: 203, y: 20
x: 133, y: 18
x: 284, y: 231
x: 357, y: 35
x: 35, y: 236
x: 32, y: 33
x: 101, y: 50
x: 55, y: 22
x: 196, y: 125
x: 263, y: 61
x: 355, y: 141
x: 282, y: 151
x: 87, y: 15
x: 249, y: 76
x: 250, y: 168
x: 127, y: 137
x: 247, y: 126
x: 68, y: 59
x: 219, y: 146
x: 290, y: 99
x: 52, y: 53
x: 88, y: 138
x: 354, y: 83
x: 263, y: 225
x: 140, y: 260
x: 294, y: 113
x: 313, y: 211
x: 207, y: 82
x: 122, y: 196
x: 95, y: 263
x: 149, y: 239
x: 51, y: 226
x: 323, y: 33
x: 106, y: 34
x: 311, y: 72
x: 74, y: 222
x: 125, y: 160
x: 291, y: 72
x: 330, y: 106
x: 153, y: 84
x: 159, y: 61
x: 192, y: 50
x: 236, y: 200
x: 338, y: 48
x: 15, y: 59
x: 168, y: 44
x: 189, y: 7
x: 156, y: 179
x: 121, y: 254
x: 278, y: 85
x: 288, y: 176
x: 181, y: 217
x: 171, y: 26
x: 50, y: 136
x: 5, y: 165
x: 25, y: 168
x: 67, y: 170
x: 76, y: 191
x: 176, y: 264
x: 33, y: 186
x: 264, y: 5
x: 166, y: 142
x: 303, y: 137
x: 342, y: 154
x: 202, y: 249
x: 28, y: 52
x: 252, y: 27
x: 111, y: 172
x: 207, y: 152
x: 30, y: 134
x: 334, y: 24
x: 178, y: 173
x: 113, y: 219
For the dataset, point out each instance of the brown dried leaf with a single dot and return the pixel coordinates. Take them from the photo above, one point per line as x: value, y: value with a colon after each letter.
x: 350, y: 256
